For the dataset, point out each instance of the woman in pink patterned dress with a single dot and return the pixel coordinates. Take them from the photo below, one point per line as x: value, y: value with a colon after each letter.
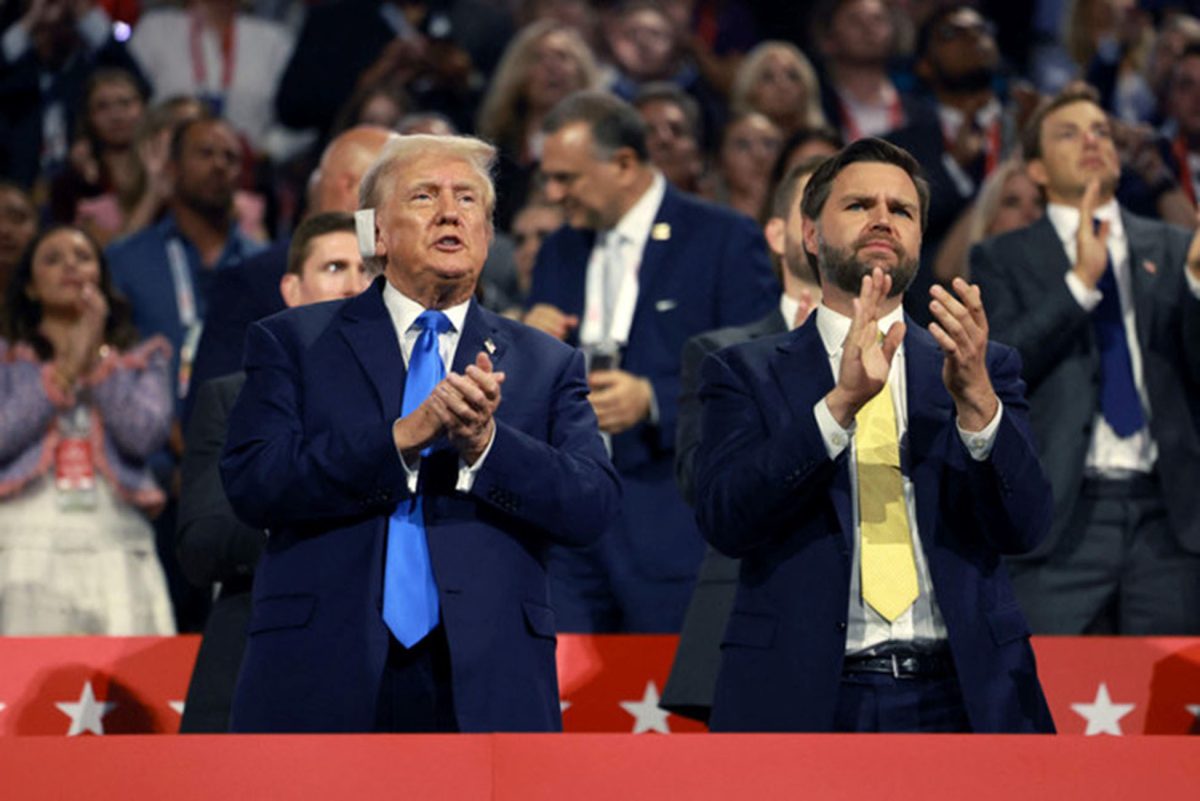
x: 82, y: 406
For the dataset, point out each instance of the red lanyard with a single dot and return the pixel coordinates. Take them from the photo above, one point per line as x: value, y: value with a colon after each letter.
x: 1179, y: 150
x: 199, y: 64
x: 850, y: 126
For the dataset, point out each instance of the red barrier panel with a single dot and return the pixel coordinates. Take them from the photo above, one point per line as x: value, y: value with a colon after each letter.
x: 98, y: 685
x: 598, y: 767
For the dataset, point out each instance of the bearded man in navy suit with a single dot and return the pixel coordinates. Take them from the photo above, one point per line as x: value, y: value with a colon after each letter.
x: 403, y: 585
x: 870, y: 474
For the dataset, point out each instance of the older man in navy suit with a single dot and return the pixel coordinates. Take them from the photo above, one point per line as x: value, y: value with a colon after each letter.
x: 640, y: 269
x: 413, y: 457
x: 870, y: 474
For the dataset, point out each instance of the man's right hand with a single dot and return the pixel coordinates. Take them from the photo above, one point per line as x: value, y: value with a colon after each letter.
x: 866, y: 359
x: 551, y: 320
x: 1091, y: 242
x: 420, y: 427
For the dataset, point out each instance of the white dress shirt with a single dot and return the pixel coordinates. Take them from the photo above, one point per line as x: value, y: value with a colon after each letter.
x: 404, y: 312
x: 624, y: 244
x: 922, y: 622
x: 1110, y: 455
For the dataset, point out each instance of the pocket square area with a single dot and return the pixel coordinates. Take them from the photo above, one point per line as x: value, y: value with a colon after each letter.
x: 665, y: 305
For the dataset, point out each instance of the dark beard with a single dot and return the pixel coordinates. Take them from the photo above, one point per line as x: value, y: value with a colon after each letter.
x: 845, y: 270
x: 977, y: 80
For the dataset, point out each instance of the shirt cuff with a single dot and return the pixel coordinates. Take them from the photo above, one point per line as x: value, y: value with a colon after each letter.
x: 979, y: 443
x: 652, y: 417
x: 1192, y: 282
x: 836, y: 438
x: 1087, y: 298
x: 467, y: 473
x: 412, y: 472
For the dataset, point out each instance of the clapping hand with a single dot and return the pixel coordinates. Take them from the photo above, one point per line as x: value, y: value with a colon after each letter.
x: 866, y: 358
x: 961, y: 329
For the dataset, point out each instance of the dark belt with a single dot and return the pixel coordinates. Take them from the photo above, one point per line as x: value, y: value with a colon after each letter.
x: 1138, y: 485
x: 902, y: 665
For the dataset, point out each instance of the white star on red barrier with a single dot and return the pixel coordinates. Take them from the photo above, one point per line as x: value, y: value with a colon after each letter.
x: 86, y: 713
x: 646, y: 712
x: 1102, y: 715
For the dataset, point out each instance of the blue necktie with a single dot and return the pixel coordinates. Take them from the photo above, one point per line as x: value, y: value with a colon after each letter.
x: 410, y: 596
x: 1119, y: 401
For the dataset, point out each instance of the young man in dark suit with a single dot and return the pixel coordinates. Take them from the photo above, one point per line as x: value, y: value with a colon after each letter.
x: 1104, y: 307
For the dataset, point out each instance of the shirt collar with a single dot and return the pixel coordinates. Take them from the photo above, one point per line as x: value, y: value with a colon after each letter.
x: 951, y: 118
x: 833, y: 326
x: 1065, y: 219
x: 404, y: 311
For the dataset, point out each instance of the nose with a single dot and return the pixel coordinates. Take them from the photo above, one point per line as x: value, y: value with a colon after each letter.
x: 880, y: 217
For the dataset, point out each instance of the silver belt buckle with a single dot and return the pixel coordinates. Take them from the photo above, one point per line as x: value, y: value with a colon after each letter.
x: 895, y: 666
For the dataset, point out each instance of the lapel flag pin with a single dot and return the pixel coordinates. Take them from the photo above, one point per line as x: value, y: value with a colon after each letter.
x: 1149, y: 266
x: 490, y: 345
x: 661, y: 232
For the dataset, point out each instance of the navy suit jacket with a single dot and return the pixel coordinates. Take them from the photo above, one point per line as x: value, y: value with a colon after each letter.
x: 709, y: 272
x: 768, y: 493
x: 1021, y: 275
x: 310, y: 457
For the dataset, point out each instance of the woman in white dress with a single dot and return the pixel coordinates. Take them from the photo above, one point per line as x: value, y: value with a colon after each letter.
x: 81, y: 408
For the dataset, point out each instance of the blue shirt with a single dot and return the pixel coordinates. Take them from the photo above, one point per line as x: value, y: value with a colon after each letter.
x: 163, y: 302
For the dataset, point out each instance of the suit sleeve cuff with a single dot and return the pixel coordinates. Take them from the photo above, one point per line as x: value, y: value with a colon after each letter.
x: 1087, y: 298
x: 979, y: 443
x: 835, y: 437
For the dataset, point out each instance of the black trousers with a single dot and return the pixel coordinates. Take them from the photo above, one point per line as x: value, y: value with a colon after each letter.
x: 416, y: 691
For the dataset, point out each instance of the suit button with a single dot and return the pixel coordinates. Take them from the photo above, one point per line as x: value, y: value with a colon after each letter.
x: 841, y: 625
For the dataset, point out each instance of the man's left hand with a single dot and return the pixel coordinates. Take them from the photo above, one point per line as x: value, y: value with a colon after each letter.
x: 961, y: 329
x: 621, y: 399
x: 466, y: 404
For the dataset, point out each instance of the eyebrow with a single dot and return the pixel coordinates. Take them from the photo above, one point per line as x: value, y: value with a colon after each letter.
x: 871, y: 200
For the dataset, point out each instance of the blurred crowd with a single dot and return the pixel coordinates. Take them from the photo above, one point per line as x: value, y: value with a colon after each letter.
x: 149, y: 147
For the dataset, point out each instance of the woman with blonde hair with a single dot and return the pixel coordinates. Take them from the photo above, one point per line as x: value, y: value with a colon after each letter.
x: 1008, y: 200
x: 778, y: 81
x: 544, y: 63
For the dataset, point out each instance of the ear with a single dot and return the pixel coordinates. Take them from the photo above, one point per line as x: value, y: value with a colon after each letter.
x: 380, y: 245
x: 289, y: 288
x: 775, y: 233
x: 1036, y: 170
x: 811, y: 240
x: 626, y: 161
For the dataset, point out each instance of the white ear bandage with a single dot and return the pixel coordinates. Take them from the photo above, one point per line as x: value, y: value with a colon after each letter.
x: 364, y: 229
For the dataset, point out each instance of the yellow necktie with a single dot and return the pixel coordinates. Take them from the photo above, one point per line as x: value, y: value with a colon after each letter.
x: 889, y: 574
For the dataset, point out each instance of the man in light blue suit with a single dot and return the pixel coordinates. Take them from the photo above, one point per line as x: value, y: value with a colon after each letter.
x: 640, y: 268
x: 403, y: 585
x: 870, y: 474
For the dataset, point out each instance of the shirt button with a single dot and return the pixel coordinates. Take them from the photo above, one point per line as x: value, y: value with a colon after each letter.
x: 839, y: 440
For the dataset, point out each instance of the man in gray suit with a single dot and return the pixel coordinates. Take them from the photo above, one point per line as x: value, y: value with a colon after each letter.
x: 215, y: 548
x: 694, y: 673
x: 1104, y: 308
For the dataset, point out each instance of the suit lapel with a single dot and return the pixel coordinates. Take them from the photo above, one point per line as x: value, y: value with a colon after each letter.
x: 478, y: 334
x: 1146, y: 256
x: 654, y: 256
x: 800, y: 366
x: 929, y: 412
x: 368, y: 330
x: 1045, y: 259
